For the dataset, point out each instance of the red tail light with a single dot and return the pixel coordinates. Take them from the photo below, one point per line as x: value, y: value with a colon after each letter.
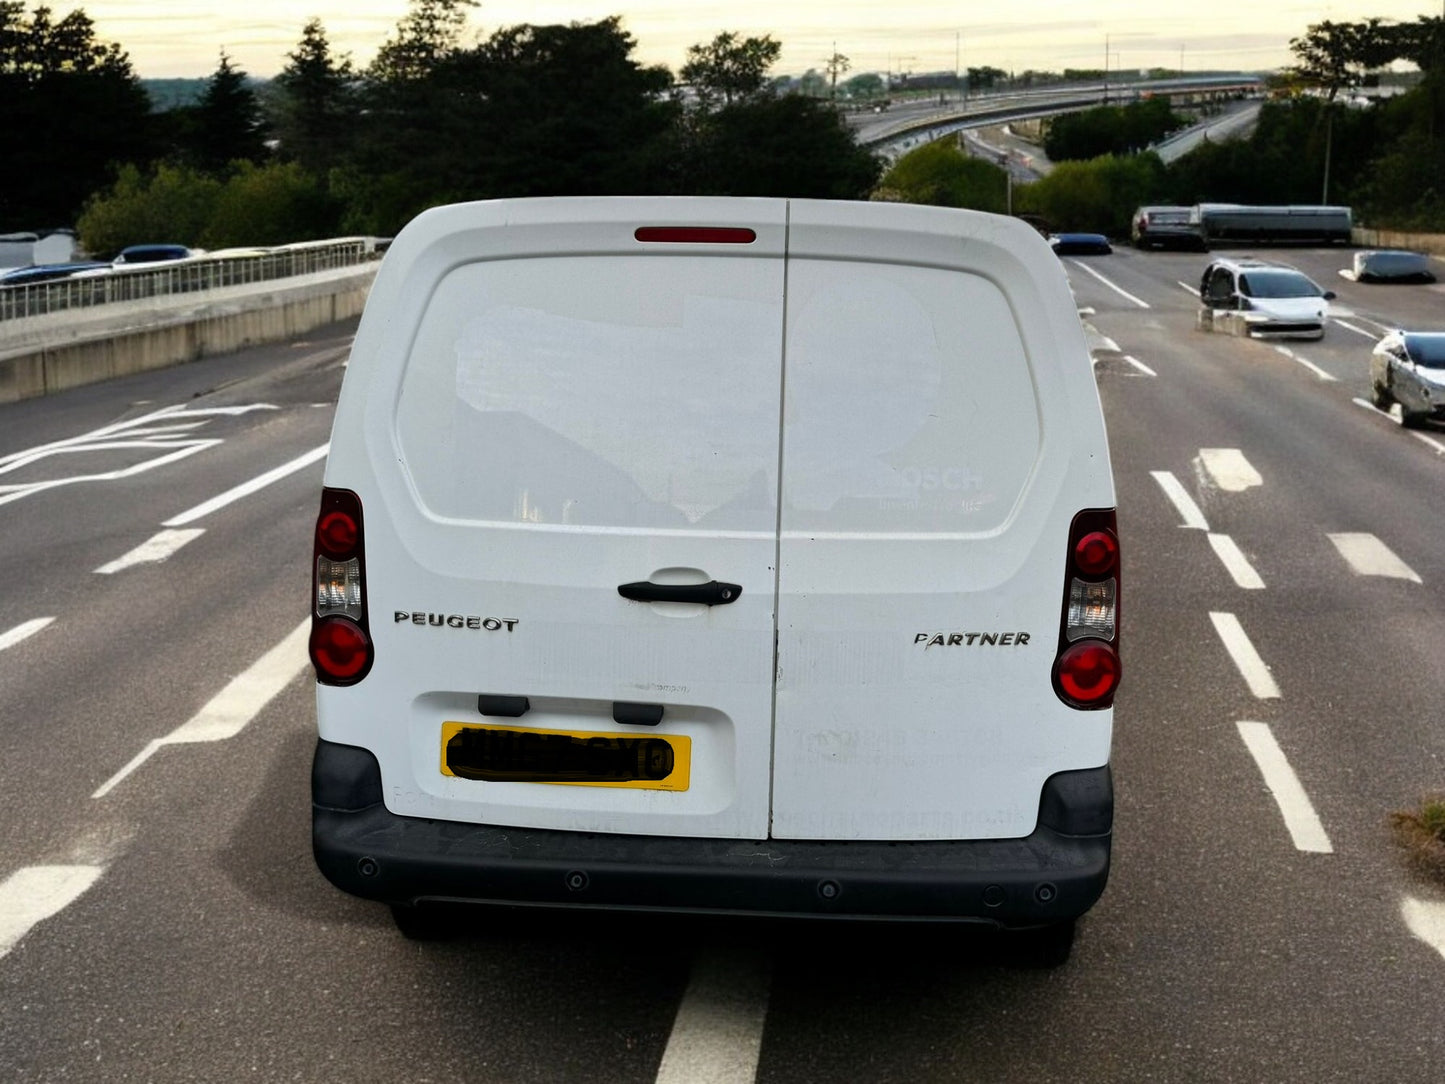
x: 341, y: 648
x: 696, y: 235
x: 1087, y: 669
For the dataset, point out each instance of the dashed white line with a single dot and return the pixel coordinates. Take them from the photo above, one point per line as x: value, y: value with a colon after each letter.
x: 1113, y: 286
x: 1140, y: 365
x: 153, y: 550
x: 1236, y: 562
x: 1229, y: 469
x: 1299, y: 815
x: 1426, y: 920
x: 1186, y: 287
x: 228, y: 712
x: 1368, y: 556
x: 32, y: 894
x: 245, y: 489
x: 1251, y: 667
x: 23, y: 632
x: 1193, y: 517
x: 1311, y: 366
x: 1352, y: 327
x: 718, y: 1032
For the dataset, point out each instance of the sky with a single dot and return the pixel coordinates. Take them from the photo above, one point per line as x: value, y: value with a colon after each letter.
x: 167, y: 38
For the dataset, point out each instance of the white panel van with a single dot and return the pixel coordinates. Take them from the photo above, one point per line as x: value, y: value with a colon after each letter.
x: 725, y: 555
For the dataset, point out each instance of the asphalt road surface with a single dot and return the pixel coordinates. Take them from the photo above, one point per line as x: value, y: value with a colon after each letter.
x: 1284, y: 593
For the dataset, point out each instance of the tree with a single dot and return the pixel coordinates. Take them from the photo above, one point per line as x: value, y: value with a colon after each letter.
x: 428, y: 33
x: 835, y: 66
x: 941, y: 174
x: 728, y: 68
x: 1335, y: 55
x: 315, y: 105
x: 226, y: 126
x: 71, y: 110
x: 867, y: 85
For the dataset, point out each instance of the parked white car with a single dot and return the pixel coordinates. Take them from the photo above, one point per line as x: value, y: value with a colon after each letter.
x: 1408, y: 367
x: 1274, y: 299
x: 718, y: 555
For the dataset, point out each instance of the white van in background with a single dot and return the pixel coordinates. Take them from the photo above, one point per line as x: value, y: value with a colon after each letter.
x: 727, y: 555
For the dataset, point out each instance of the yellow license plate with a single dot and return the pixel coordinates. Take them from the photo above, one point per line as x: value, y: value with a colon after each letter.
x: 509, y: 754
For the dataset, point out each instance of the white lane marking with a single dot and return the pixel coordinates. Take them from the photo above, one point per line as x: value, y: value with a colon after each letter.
x: 1426, y: 920
x: 245, y: 489
x: 1236, y: 562
x: 1368, y: 556
x: 1355, y: 328
x: 1394, y: 415
x: 11, y: 493
x: 1229, y: 469
x: 1113, y: 286
x: 1372, y: 407
x: 718, y: 1032
x: 23, y: 632
x: 228, y: 712
x: 1294, y: 804
x: 1311, y: 366
x: 154, y: 550
x: 1140, y: 365
x: 1186, y: 287
x: 1251, y: 667
x: 32, y: 894
x: 1430, y: 441
x: 1193, y: 517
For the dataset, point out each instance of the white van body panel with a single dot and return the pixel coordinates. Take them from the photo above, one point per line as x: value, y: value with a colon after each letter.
x: 930, y: 480
x: 498, y: 487
x: 540, y: 408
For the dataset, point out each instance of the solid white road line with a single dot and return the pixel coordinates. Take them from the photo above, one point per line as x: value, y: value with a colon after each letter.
x: 1311, y: 366
x: 155, y: 549
x: 1140, y: 365
x: 1251, y: 667
x: 1294, y: 804
x: 1429, y: 440
x: 1229, y: 469
x: 1236, y: 562
x: 1368, y: 556
x: 245, y: 489
x: 23, y: 632
x: 1426, y: 920
x: 1189, y: 289
x: 718, y: 1032
x: 228, y: 712
x: 32, y: 894
x: 1113, y: 286
x: 1193, y: 517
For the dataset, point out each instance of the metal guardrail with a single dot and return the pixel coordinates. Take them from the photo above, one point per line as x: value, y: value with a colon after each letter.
x: 183, y: 276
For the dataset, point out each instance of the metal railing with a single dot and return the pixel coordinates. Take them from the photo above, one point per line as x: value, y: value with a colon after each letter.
x: 193, y: 275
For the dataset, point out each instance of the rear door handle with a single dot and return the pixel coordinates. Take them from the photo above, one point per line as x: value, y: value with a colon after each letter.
x: 709, y: 594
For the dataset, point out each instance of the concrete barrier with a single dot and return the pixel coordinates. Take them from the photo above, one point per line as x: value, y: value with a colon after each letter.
x: 1433, y: 243
x: 44, y: 354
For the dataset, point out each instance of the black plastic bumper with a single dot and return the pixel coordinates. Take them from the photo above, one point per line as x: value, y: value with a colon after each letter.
x: 1055, y: 874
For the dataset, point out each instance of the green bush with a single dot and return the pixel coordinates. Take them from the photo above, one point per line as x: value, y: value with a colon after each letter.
x: 173, y: 205
x: 270, y: 205
x: 941, y: 174
x: 1097, y: 196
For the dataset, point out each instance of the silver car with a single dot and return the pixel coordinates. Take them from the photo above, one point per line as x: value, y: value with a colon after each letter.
x: 1408, y: 367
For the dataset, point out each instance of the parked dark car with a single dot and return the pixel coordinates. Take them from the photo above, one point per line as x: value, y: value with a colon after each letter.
x: 152, y: 254
x: 45, y: 272
x: 1081, y: 244
x: 1393, y: 265
x: 1168, y: 227
x: 1408, y: 367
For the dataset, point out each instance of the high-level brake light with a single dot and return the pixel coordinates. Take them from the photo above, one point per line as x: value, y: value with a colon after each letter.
x: 696, y: 235
x: 1087, y: 669
x: 341, y: 648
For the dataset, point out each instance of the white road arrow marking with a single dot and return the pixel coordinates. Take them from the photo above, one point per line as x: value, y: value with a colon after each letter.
x: 1368, y: 556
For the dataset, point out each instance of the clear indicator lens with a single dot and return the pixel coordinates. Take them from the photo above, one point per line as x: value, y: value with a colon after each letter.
x: 338, y: 588
x: 1092, y: 610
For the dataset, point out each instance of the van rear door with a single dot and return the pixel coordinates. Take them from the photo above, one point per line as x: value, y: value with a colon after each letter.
x: 590, y: 400
x: 941, y: 430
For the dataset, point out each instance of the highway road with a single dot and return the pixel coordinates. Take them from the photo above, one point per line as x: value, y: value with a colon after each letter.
x: 1284, y: 593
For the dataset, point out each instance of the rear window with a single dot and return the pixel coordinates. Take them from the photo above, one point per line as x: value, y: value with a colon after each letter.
x: 910, y: 402
x: 604, y: 392
x: 1278, y: 284
x: 1426, y: 350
